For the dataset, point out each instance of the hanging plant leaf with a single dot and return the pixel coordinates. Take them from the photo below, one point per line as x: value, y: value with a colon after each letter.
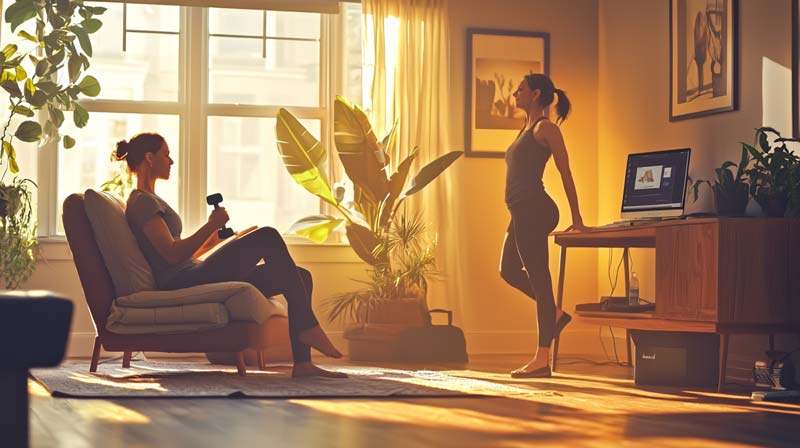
x: 26, y: 35
x: 19, y: 12
x: 20, y: 73
x: 12, y: 88
x: 80, y: 116
x: 22, y: 110
x: 69, y: 142
x: 91, y: 25
x: 89, y: 86
x: 29, y: 131
x: 74, y: 67
x: 83, y: 38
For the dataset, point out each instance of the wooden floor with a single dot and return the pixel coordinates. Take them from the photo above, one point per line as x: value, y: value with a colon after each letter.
x: 594, y: 406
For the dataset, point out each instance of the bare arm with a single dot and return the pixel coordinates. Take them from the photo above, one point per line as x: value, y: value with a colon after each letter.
x: 175, y: 250
x: 555, y: 141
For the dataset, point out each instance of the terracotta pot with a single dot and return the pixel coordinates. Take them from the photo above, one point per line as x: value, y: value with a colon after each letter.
x: 402, y: 311
x: 730, y: 203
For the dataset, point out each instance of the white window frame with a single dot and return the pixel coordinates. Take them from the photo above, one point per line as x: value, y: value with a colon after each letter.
x: 193, y: 110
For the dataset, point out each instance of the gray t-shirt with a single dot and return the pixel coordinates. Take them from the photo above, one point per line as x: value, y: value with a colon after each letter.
x: 141, y: 207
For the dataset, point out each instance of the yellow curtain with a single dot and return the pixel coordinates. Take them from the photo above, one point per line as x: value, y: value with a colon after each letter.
x: 410, y: 50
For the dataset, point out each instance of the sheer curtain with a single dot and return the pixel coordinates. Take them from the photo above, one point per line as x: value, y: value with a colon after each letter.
x: 408, y: 45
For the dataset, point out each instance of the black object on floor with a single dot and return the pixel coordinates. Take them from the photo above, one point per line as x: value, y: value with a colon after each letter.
x: 673, y: 358
x: 34, y: 327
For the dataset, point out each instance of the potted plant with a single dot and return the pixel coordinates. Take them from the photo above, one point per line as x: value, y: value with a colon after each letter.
x: 41, y: 72
x: 370, y: 220
x: 774, y: 175
x: 730, y: 192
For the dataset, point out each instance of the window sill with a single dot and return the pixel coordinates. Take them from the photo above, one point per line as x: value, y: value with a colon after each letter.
x: 55, y: 248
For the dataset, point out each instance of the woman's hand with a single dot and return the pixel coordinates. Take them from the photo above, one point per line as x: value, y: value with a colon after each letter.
x: 218, y: 218
x: 578, y: 226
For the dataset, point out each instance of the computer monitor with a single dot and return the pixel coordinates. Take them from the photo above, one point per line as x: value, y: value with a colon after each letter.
x: 655, y: 184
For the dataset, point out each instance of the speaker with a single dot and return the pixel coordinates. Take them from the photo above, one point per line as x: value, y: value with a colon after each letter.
x: 671, y: 358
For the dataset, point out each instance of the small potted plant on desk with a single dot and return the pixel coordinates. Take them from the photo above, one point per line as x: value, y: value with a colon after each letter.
x: 731, y: 192
x: 775, y: 175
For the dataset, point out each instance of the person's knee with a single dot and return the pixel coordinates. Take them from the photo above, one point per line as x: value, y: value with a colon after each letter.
x: 305, y: 277
x: 269, y: 235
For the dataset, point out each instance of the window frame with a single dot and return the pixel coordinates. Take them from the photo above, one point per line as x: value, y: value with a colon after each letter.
x: 193, y: 110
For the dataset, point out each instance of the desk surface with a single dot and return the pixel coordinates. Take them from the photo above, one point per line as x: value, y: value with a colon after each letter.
x: 640, y: 235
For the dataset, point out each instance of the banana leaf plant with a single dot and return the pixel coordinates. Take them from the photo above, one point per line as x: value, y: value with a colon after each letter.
x: 379, y: 186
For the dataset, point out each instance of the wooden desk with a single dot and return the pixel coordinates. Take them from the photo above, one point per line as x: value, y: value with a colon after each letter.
x: 713, y: 275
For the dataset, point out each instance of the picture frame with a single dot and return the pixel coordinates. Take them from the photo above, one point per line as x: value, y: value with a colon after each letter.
x: 497, y: 61
x: 704, y: 61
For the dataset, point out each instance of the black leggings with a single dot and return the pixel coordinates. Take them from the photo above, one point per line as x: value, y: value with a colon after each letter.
x: 524, y: 263
x: 238, y: 261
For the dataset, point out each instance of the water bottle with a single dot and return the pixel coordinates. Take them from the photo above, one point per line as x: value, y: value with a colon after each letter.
x: 633, y: 290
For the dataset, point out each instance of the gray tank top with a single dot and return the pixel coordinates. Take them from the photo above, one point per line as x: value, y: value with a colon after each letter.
x: 525, y: 162
x: 140, y: 208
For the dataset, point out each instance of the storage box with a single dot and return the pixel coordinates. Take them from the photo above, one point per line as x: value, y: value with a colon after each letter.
x: 671, y: 358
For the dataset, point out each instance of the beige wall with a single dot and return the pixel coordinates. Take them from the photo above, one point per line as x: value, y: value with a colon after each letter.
x: 496, y: 317
x: 634, y: 101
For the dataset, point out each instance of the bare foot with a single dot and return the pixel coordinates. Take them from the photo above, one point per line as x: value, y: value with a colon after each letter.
x: 316, y: 338
x: 308, y: 369
x: 533, y: 364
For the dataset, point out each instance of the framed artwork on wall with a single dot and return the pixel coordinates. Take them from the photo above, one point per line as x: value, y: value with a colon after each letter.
x: 703, y: 57
x: 497, y: 61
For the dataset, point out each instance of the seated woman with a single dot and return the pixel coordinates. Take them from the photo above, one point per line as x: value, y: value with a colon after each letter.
x: 158, y: 227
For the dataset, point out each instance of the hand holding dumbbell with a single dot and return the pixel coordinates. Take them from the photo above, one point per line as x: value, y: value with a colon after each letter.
x: 214, y: 200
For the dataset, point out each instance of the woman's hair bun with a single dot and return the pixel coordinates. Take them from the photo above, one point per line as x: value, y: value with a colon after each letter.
x: 122, y: 150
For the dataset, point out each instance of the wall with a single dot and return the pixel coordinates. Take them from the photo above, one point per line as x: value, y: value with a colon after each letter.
x: 496, y: 317
x: 634, y: 101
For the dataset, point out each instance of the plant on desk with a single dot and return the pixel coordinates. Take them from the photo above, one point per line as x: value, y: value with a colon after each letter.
x: 775, y: 175
x: 730, y: 191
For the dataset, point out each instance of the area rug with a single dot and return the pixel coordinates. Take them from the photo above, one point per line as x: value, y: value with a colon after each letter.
x: 150, y: 379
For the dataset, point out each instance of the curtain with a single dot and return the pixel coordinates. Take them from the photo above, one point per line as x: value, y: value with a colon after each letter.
x: 410, y: 83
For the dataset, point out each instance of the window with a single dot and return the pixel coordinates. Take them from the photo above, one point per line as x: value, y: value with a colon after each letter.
x: 211, y: 81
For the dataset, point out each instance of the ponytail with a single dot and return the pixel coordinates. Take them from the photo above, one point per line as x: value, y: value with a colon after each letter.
x: 563, y: 106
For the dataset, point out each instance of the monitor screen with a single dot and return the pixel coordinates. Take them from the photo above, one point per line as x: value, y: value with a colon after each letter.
x: 655, y: 183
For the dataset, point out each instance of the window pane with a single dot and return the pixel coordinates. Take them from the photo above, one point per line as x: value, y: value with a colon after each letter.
x: 88, y: 164
x: 235, y: 21
x: 151, y: 17
x: 289, y: 76
x: 245, y: 166
x: 302, y: 25
x: 148, y: 68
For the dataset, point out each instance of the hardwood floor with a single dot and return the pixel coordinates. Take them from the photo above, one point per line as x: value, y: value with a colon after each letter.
x: 589, y: 406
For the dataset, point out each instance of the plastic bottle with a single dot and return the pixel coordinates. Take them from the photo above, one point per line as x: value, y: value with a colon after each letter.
x: 633, y: 290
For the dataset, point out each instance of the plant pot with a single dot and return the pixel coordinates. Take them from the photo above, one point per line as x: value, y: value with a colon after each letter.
x: 3, y: 208
x: 730, y: 202
x: 773, y: 204
x: 399, y: 311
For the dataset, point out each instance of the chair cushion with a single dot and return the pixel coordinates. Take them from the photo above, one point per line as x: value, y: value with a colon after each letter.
x: 129, y: 270
x: 186, y: 309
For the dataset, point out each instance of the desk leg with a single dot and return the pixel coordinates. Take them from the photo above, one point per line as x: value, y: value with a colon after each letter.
x: 723, y: 359
x: 559, y: 299
x: 628, y: 343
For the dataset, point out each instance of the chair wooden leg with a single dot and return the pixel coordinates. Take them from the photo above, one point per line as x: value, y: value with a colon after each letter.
x: 241, y: 367
x: 723, y: 359
x: 260, y: 358
x: 126, y: 359
x: 95, y: 355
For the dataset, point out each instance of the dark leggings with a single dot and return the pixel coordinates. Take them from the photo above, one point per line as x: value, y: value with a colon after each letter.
x: 524, y: 263
x: 238, y: 261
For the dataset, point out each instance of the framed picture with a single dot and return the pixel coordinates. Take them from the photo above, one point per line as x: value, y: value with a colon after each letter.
x: 703, y: 57
x: 497, y: 61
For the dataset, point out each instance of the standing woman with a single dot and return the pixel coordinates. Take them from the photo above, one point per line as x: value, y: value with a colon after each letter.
x: 524, y: 263
x: 157, y: 228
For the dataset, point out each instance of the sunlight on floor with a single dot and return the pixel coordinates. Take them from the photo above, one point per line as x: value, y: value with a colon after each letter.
x: 122, y: 383
x: 109, y: 412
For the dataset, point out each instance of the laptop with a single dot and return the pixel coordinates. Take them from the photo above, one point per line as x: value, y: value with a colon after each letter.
x: 655, y: 186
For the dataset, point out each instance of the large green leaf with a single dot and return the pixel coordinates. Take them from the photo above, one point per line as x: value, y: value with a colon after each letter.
x: 359, y: 151
x: 363, y: 241
x: 80, y: 116
x: 303, y: 156
x: 89, y: 86
x: 431, y: 171
x: 8, y: 148
x: 29, y: 131
x: 19, y: 12
x: 396, y: 184
x: 388, y: 142
x: 83, y: 38
x: 316, y: 228
x: 91, y: 25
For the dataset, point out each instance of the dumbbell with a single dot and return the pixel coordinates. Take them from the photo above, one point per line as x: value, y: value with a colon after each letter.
x: 214, y: 200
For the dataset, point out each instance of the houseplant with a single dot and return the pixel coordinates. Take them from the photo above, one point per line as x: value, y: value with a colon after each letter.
x: 41, y: 72
x: 370, y: 219
x: 774, y: 179
x: 731, y: 192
